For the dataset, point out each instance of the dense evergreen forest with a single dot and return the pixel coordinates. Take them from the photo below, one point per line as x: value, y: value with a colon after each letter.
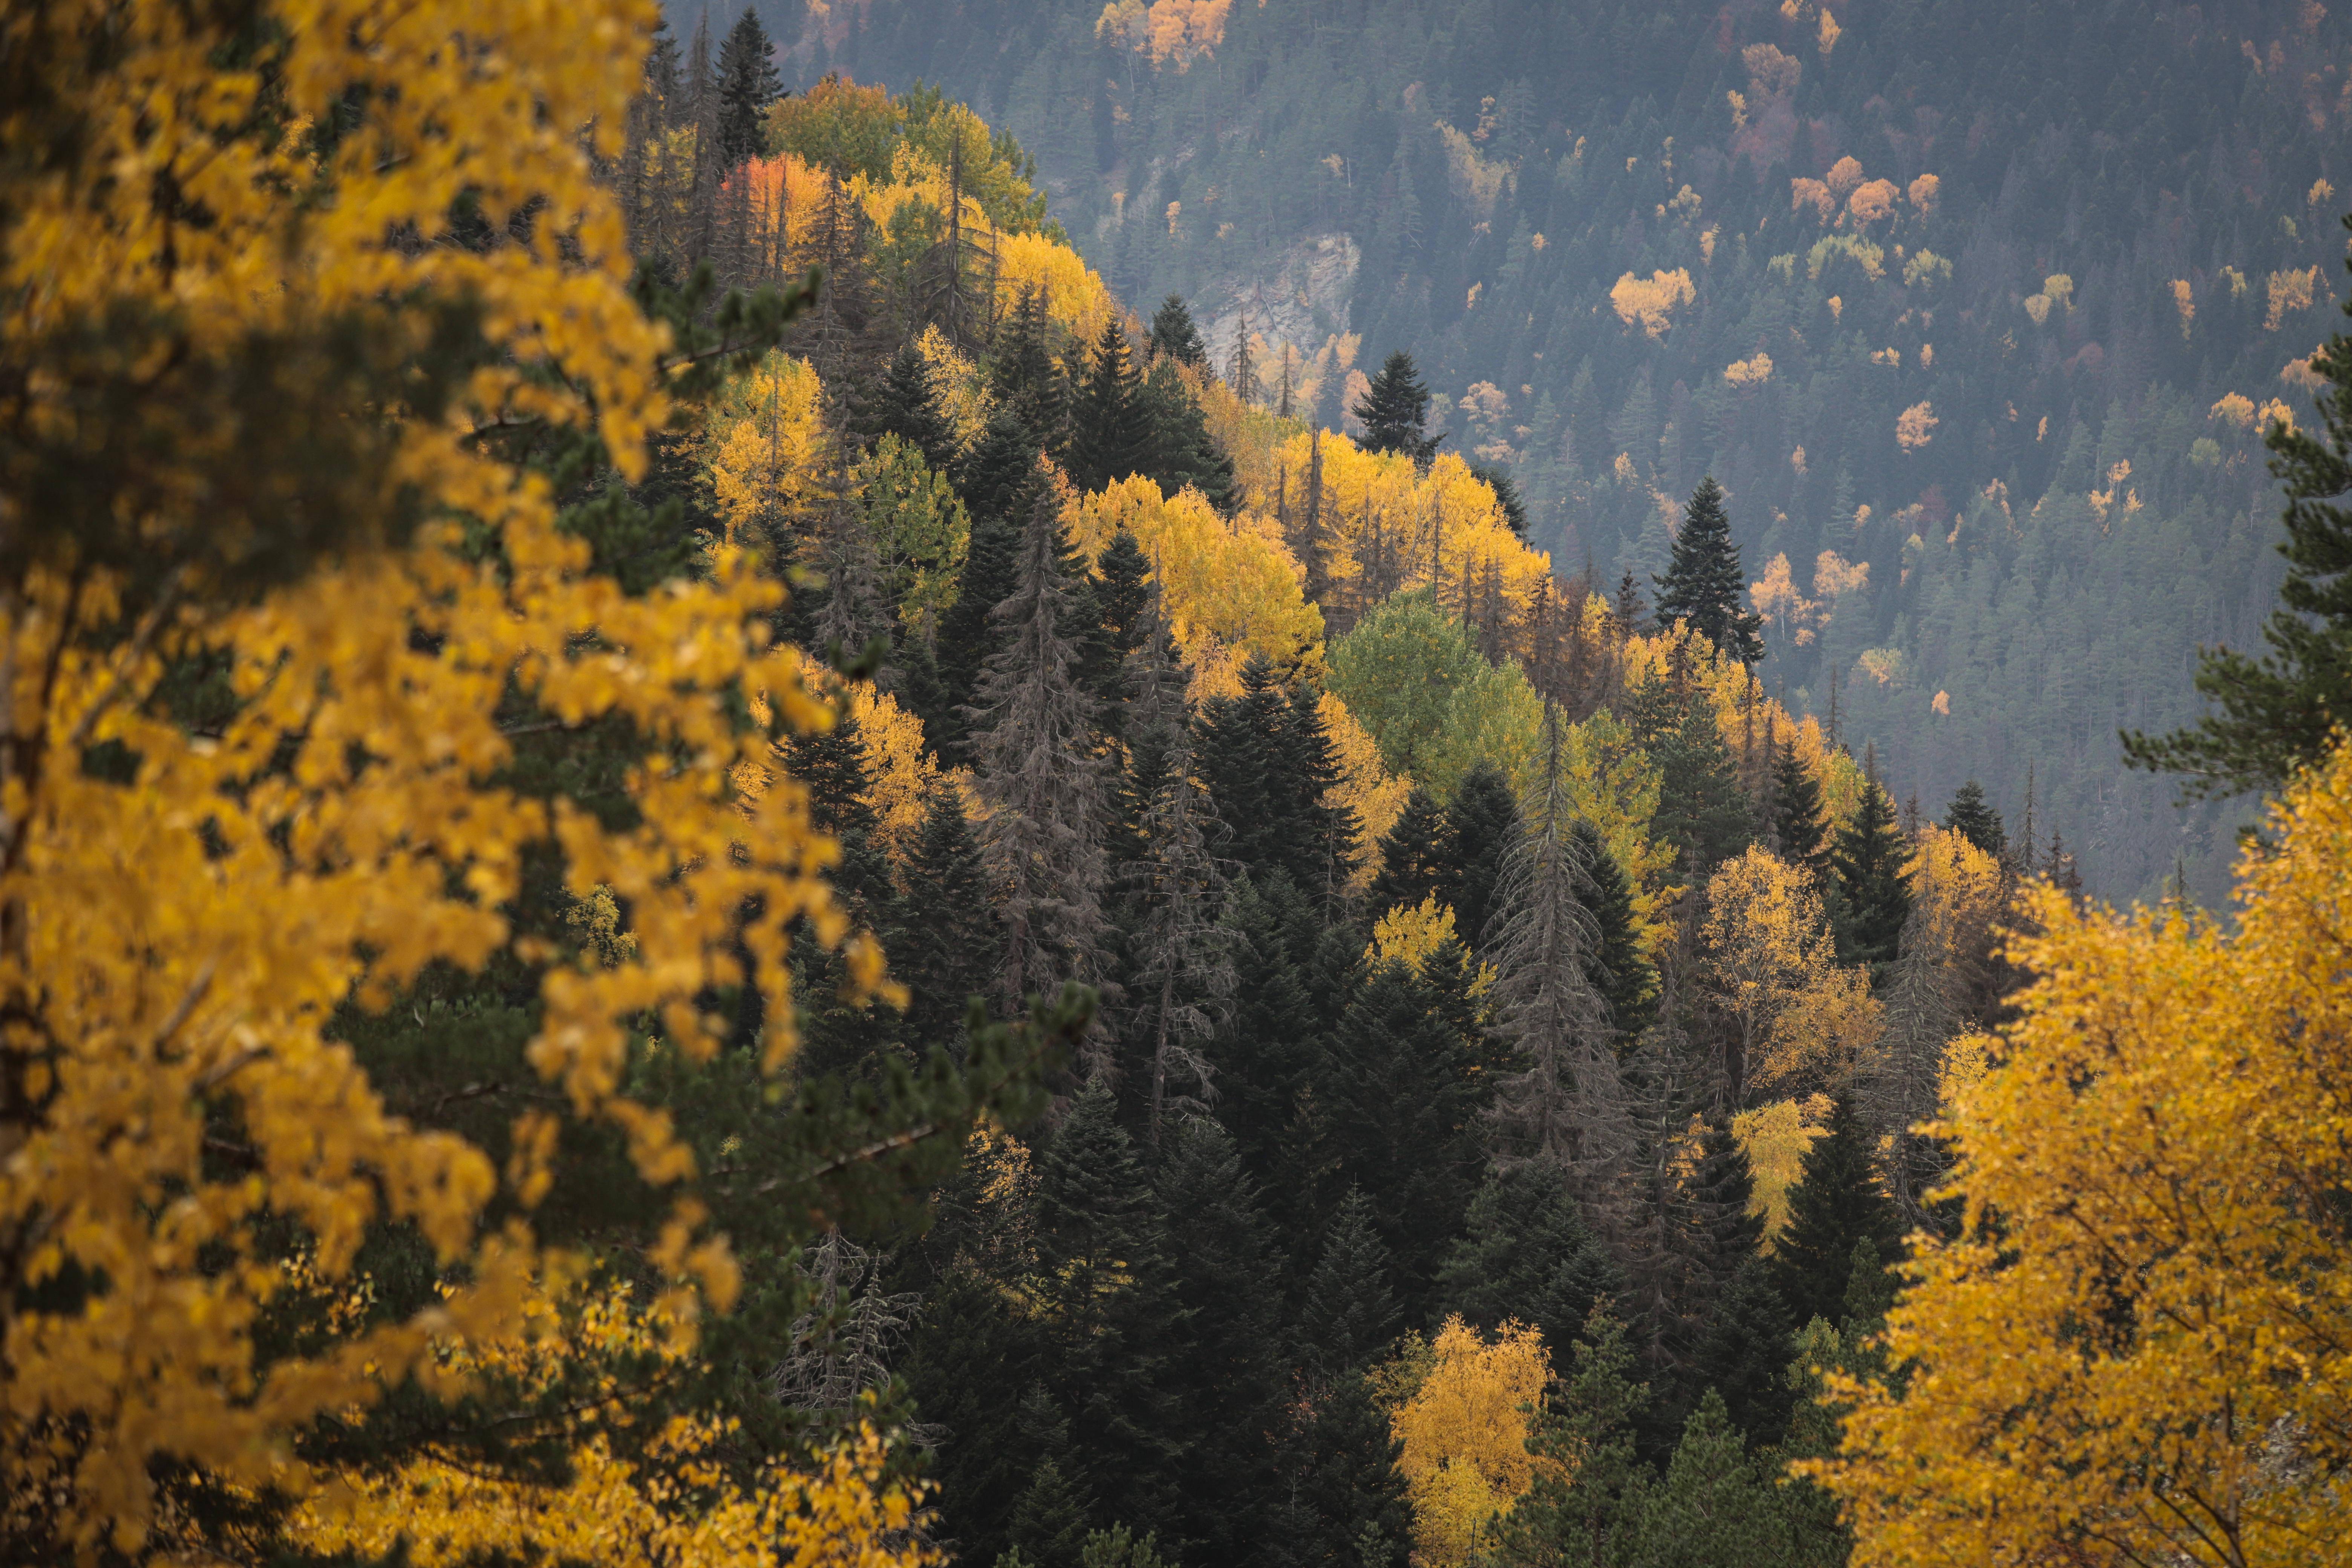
x: 1920, y: 285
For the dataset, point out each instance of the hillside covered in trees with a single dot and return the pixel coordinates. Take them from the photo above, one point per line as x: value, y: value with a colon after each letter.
x: 1975, y: 311
x: 707, y: 859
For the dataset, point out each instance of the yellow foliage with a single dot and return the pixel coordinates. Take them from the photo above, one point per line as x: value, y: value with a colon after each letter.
x: 846, y: 1510
x: 1409, y: 933
x: 760, y: 446
x: 2059, y: 289
x: 1477, y: 182
x: 178, y: 943
x: 2290, y: 290
x: 1776, y: 1137
x: 2299, y: 373
x: 901, y: 775
x: 1768, y: 965
x: 1746, y: 372
x: 1828, y: 32
x: 1924, y: 191
x: 2184, y: 301
x: 1464, y: 1433
x: 1915, y: 427
x: 2234, y: 409
x: 1364, y: 786
x: 964, y: 399
x: 1074, y: 294
x: 1178, y: 30
x: 1871, y: 259
x: 1770, y: 71
x: 1873, y: 200
x: 2038, y: 307
x: 1813, y: 194
x: 1651, y: 302
x: 1219, y: 579
x: 1843, y: 176
x: 2140, y: 1337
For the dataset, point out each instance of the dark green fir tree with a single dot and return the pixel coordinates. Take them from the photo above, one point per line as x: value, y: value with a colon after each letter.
x: 1798, y: 824
x: 1394, y: 408
x: 1620, y: 971
x: 1110, y: 427
x: 1974, y: 819
x: 748, y: 83
x: 1872, y: 900
x: 1175, y: 336
x: 1837, y: 1202
x: 1704, y: 581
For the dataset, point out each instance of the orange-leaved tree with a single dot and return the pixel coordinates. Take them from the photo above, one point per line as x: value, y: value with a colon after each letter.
x: 325, y: 372
x: 2139, y: 1347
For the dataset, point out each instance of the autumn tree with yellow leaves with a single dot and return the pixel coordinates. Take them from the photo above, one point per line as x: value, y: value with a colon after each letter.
x: 338, y: 667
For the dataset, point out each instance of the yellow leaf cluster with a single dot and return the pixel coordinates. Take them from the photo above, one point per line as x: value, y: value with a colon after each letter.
x: 177, y: 938
x: 1743, y: 373
x: 675, y: 1504
x: 1776, y: 1137
x: 1767, y: 966
x: 1915, y: 427
x: 1409, y: 933
x: 1650, y: 302
x: 2142, y: 1337
x: 1364, y: 786
x: 2290, y: 290
x: 1464, y: 1433
x: 760, y: 447
x: 1226, y: 586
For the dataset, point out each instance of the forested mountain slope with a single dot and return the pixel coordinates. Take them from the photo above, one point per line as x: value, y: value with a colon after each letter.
x: 1988, y: 300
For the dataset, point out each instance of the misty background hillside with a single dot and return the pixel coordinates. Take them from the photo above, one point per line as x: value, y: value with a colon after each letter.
x: 1976, y: 312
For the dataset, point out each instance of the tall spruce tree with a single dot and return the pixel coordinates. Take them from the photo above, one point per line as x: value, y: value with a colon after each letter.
x: 1618, y: 967
x: 1347, y: 1313
x: 1413, y: 855
x: 747, y: 82
x: 1974, y: 819
x: 1110, y: 427
x: 906, y: 404
x: 1040, y: 774
x: 2278, y: 713
x: 1798, y: 824
x: 1175, y: 336
x: 1269, y: 1044
x: 1269, y: 764
x: 1704, y: 581
x: 1838, y: 1200
x: 943, y: 940
x: 1226, y: 1357
x: 1394, y: 408
x: 1352, y: 1508
x: 1105, y: 1279
x: 1482, y: 823
x: 1180, y: 451
x: 1588, y: 1503
x: 1028, y: 386
x: 1525, y: 1252
x: 1745, y: 1351
x: 1872, y: 900
x: 1181, y: 979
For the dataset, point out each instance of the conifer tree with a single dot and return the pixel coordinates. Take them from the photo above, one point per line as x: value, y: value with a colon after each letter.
x: 1038, y: 771
x: 2277, y: 713
x: 1240, y: 369
x: 1180, y: 451
x: 1402, y: 1107
x: 1182, y: 972
x: 1121, y: 596
x: 1347, y: 1314
x: 1873, y: 901
x: 1744, y: 1353
x: 1702, y: 809
x: 1482, y: 822
x: 1798, y: 824
x: 1104, y: 1278
x: 1048, y: 1526
x: 1028, y: 385
x: 1394, y: 408
x: 1526, y: 1252
x: 1588, y: 1503
x: 748, y: 83
x: 969, y: 635
x: 1704, y: 581
x: 1174, y: 335
x: 1268, y: 763
x: 1350, y: 1492
x: 1566, y: 1106
x: 1620, y: 971
x: 969, y: 1351
x: 1837, y: 1202
x: 1903, y: 1084
x: 943, y: 940
x: 1413, y: 854
x: 1226, y: 1360
x: 906, y: 404
x: 1110, y: 428
x: 998, y: 478
x: 1714, y: 1505
x: 1271, y: 1039
x: 1973, y: 819
x: 1507, y: 495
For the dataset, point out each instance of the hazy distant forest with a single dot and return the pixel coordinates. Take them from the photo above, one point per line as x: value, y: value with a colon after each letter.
x: 1986, y: 298
x: 1191, y: 785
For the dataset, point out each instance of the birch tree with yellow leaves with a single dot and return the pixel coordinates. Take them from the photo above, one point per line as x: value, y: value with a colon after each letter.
x: 312, y: 698
x: 2134, y: 1350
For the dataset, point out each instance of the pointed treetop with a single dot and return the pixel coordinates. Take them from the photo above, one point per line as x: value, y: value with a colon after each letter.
x: 1704, y: 581
x: 748, y: 83
x: 1174, y: 335
x: 1393, y: 410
